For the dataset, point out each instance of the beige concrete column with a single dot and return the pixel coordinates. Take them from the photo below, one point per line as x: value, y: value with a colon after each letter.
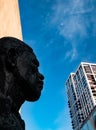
x: 10, y: 19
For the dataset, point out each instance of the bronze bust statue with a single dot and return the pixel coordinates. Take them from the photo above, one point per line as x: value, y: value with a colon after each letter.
x: 20, y: 80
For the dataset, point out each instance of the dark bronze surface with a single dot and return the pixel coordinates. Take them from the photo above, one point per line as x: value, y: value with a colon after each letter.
x: 20, y: 80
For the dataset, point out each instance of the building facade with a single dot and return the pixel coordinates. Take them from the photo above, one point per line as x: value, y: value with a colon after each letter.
x: 90, y: 123
x: 81, y: 91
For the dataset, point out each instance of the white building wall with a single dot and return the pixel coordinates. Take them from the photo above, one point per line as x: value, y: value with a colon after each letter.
x: 90, y: 124
x: 85, y: 101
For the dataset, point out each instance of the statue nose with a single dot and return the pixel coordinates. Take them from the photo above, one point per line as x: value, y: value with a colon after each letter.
x: 41, y: 76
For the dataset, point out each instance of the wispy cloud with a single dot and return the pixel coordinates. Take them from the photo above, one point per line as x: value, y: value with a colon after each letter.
x: 71, y: 55
x: 67, y: 8
x: 75, y: 21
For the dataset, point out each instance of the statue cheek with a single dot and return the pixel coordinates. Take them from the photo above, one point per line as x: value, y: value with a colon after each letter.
x: 22, y: 66
x: 32, y: 79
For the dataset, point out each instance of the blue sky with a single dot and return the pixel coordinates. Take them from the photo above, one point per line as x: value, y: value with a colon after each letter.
x: 62, y: 34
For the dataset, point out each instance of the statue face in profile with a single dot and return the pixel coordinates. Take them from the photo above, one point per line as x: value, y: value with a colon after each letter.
x: 27, y: 65
x: 20, y: 80
x: 20, y: 65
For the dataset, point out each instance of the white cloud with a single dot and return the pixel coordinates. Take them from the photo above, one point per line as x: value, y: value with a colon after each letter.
x: 71, y: 7
x: 73, y: 23
x: 74, y: 54
x: 71, y: 55
x: 72, y: 27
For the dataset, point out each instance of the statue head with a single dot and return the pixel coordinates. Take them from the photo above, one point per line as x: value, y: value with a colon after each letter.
x: 19, y: 75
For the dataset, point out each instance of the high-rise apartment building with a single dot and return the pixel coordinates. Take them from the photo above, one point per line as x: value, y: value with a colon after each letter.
x: 81, y: 90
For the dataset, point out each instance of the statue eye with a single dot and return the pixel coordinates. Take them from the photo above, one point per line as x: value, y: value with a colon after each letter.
x: 34, y: 68
x: 35, y: 62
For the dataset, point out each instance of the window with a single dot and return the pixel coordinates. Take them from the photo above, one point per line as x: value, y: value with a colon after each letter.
x: 94, y: 68
x: 90, y: 77
x: 81, y: 71
x: 78, y: 76
x: 87, y: 69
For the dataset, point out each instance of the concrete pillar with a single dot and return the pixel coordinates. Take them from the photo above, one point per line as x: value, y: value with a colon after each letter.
x: 10, y: 19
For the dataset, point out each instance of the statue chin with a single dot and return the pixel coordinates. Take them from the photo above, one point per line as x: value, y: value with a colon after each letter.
x: 33, y: 97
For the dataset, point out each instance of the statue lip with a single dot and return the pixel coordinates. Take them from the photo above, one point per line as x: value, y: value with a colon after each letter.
x: 40, y: 84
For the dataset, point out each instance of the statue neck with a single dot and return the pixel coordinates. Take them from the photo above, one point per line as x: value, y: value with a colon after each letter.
x: 11, y: 102
x: 17, y: 98
x: 5, y: 104
x: 12, y: 90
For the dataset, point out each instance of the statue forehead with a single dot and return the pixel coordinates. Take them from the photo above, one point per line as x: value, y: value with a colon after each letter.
x: 21, y: 48
x: 30, y: 56
x: 6, y: 43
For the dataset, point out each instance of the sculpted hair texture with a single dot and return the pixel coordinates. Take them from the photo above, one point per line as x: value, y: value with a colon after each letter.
x: 20, y: 80
x: 7, y: 45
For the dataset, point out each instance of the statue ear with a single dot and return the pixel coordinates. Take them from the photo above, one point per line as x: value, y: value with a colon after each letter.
x: 11, y: 59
